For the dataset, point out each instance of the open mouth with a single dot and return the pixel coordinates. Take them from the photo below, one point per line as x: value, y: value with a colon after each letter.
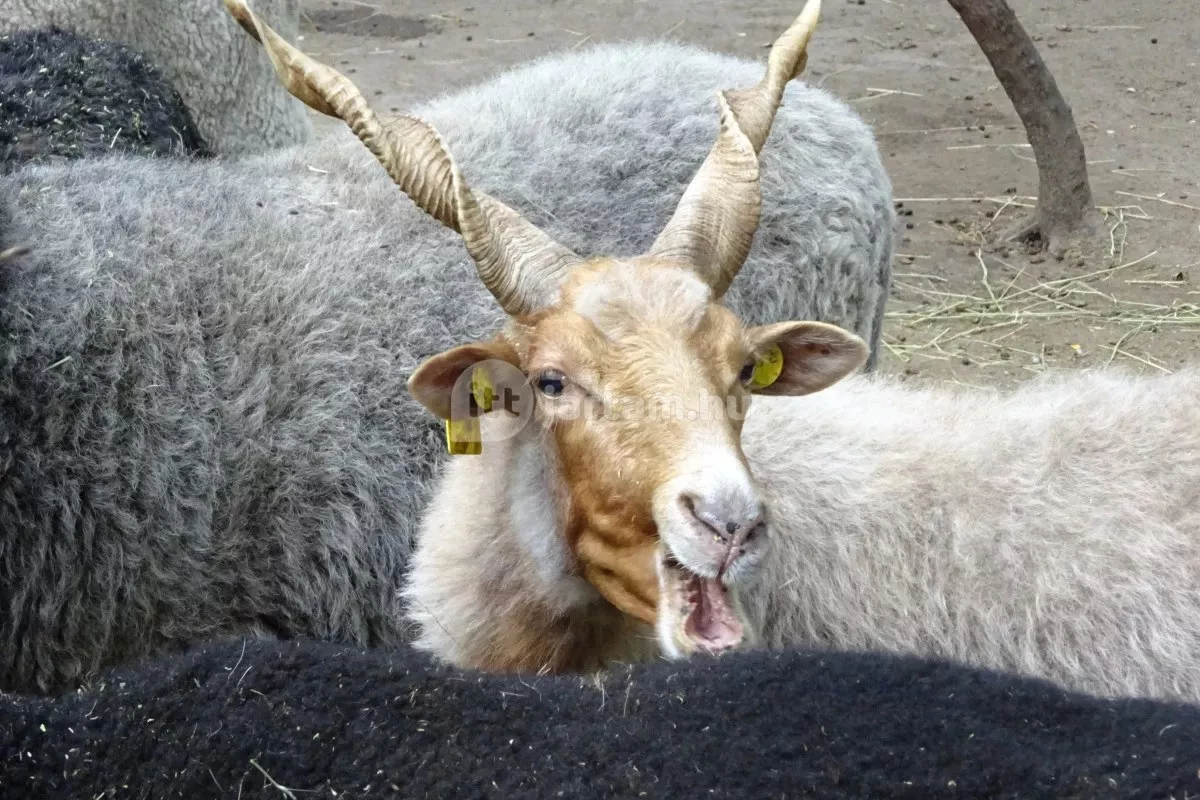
x: 699, y: 611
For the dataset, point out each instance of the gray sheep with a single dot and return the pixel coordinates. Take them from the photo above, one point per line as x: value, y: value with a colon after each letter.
x: 225, y: 81
x: 204, y: 425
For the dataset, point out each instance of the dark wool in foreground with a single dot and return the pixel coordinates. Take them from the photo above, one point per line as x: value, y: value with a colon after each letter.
x: 341, y: 723
x: 63, y: 97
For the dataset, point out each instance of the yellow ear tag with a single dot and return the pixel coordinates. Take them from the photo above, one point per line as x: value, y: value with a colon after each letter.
x: 768, y: 368
x: 464, y: 437
x: 481, y: 389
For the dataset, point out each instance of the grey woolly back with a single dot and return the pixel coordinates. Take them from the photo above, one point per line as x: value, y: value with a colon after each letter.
x: 64, y: 96
x: 204, y: 426
x: 1052, y: 530
x: 222, y: 74
x: 824, y: 244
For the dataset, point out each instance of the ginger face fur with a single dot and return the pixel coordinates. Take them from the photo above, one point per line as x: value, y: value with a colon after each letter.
x: 644, y: 347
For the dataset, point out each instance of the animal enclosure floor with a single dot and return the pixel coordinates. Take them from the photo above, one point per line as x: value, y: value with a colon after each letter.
x: 965, y: 306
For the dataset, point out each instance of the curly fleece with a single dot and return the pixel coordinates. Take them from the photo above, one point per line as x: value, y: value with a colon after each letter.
x: 204, y: 425
x: 63, y: 96
x: 222, y: 74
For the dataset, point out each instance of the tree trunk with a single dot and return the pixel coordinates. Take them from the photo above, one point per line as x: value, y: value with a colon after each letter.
x: 1065, y: 216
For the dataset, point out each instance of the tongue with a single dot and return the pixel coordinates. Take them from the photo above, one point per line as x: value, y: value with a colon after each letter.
x: 712, y: 623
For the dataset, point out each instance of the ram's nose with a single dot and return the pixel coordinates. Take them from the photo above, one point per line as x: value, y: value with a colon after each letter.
x: 735, y: 520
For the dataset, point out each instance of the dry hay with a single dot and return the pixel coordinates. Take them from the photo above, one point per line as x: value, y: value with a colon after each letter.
x: 981, y: 326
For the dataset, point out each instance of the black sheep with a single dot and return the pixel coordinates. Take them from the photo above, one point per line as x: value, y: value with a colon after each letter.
x: 63, y: 96
x: 302, y: 719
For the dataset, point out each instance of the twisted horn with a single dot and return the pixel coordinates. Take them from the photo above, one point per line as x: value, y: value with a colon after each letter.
x: 713, y: 226
x: 520, y: 265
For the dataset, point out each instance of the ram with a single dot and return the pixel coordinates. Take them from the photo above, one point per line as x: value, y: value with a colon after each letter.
x: 225, y: 84
x: 303, y: 719
x: 204, y: 425
x: 628, y: 497
x: 63, y: 96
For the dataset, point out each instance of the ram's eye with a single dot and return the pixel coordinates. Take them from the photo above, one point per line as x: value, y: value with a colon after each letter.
x: 747, y: 373
x: 551, y: 383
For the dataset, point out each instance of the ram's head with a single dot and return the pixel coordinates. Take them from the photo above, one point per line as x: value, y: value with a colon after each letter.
x: 635, y: 372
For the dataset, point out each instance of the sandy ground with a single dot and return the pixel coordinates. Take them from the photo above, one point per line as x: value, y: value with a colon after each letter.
x: 965, y: 306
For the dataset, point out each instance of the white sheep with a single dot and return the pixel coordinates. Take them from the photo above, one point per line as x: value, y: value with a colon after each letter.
x: 223, y: 78
x: 1051, y: 531
x: 615, y: 510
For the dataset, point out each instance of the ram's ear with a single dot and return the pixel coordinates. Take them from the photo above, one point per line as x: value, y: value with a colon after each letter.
x: 443, y: 383
x: 797, y: 358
